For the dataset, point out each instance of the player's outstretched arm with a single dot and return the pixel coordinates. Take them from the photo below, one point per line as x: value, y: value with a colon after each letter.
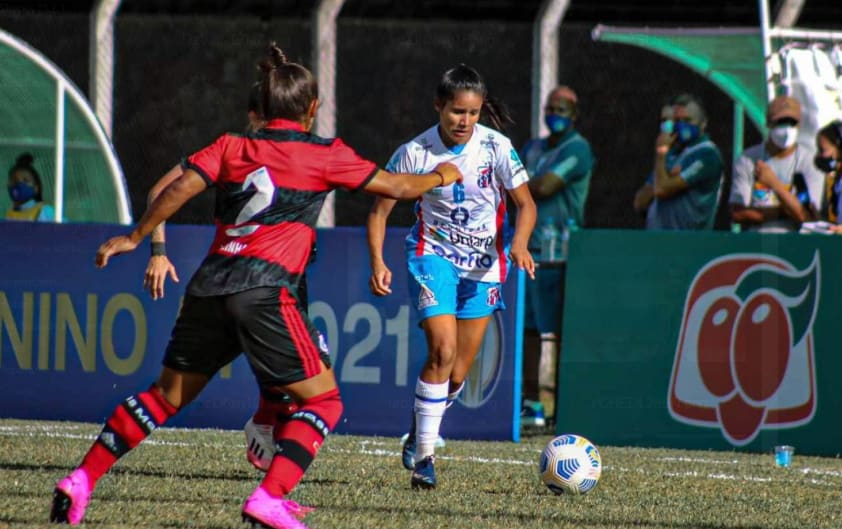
x: 525, y: 223
x: 168, y: 202
x: 380, y: 281
x: 402, y: 186
x: 159, y: 266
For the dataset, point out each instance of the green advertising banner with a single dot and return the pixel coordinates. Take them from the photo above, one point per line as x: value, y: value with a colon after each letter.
x: 703, y: 340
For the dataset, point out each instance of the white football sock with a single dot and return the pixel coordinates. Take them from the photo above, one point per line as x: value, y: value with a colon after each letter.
x: 430, y: 403
x: 453, y: 395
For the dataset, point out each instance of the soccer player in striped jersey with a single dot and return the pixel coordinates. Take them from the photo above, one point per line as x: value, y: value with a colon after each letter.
x: 459, y: 251
x: 245, y: 295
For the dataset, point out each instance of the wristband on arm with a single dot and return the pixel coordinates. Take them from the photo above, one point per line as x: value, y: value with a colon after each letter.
x: 158, y: 248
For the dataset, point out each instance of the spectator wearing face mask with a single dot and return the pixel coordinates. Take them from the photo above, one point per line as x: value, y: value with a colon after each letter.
x: 560, y: 167
x: 776, y: 187
x: 688, y: 172
x: 828, y: 160
x: 645, y: 195
x: 25, y: 191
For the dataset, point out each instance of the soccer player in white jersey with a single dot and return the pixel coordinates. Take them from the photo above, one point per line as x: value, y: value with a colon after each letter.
x: 459, y: 251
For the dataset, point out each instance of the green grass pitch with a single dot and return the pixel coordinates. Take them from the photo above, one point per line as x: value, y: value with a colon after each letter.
x: 199, y: 478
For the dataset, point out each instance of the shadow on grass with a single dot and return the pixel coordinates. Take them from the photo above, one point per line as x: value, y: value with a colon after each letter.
x: 516, y: 518
x: 178, y: 473
x: 20, y: 522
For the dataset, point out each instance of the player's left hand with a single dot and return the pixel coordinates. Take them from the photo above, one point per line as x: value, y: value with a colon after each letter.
x: 156, y: 275
x: 523, y: 260
x: 112, y: 247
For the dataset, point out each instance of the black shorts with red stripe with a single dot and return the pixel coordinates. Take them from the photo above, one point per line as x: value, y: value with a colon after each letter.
x: 280, y: 342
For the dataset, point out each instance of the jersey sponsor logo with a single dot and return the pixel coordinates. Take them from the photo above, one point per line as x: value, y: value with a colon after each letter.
x: 426, y: 298
x: 745, y: 356
x: 493, y: 296
x: 471, y: 260
x: 460, y: 216
x: 516, y: 163
x: 233, y: 247
x: 461, y: 238
x: 438, y: 232
x: 487, y: 369
x: 472, y: 241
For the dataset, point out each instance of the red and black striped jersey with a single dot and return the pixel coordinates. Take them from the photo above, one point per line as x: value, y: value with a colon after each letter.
x: 270, y: 187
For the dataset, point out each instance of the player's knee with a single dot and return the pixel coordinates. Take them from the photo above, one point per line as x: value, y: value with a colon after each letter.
x: 442, y: 354
x: 322, y: 411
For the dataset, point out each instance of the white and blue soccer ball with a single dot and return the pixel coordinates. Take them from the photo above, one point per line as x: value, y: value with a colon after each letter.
x: 570, y: 464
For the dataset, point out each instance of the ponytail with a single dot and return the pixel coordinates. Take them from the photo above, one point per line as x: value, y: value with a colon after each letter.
x: 287, y: 88
x: 497, y: 113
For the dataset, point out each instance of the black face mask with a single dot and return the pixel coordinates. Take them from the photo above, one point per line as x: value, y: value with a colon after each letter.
x: 825, y: 164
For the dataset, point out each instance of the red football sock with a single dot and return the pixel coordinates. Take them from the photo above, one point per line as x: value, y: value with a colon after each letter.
x: 273, y: 406
x: 132, y: 421
x: 298, y: 440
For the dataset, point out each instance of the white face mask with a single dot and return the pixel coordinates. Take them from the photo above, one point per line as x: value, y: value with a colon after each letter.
x: 784, y: 136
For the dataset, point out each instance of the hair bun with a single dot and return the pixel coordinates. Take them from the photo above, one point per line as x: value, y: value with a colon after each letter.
x: 24, y: 160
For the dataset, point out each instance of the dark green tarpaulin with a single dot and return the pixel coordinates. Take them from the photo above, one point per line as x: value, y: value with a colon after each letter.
x: 731, y: 58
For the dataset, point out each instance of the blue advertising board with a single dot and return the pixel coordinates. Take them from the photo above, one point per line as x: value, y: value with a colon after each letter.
x: 76, y: 340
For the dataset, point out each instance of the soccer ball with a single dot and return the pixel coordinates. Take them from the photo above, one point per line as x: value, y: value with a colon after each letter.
x: 570, y: 464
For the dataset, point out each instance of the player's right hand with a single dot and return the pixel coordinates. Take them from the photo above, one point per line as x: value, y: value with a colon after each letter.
x: 380, y: 282
x: 450, y: 172
x: 112, y: 247
x: 156, y: 275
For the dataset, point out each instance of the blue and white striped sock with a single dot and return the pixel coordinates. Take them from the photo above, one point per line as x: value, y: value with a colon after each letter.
x: 430, y: 403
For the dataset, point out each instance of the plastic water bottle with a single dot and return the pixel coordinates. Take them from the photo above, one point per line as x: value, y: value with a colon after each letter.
x: 565, y: 236
x: 551, y: 242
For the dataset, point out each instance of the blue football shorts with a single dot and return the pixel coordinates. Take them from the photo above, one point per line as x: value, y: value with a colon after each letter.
x: 435, y: 288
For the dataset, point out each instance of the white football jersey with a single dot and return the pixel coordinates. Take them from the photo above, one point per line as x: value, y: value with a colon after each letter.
x: 464, y: 222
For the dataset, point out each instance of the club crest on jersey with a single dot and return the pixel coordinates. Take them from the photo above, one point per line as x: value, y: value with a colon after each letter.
x: 493, y: 296
x: 484, y: 173
x: 745, y: 355
x: 426, y: 298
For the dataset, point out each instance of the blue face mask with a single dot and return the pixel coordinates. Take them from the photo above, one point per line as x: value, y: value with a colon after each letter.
x: 557, y: 124
x: 22, y: 192
x: 686, y: 132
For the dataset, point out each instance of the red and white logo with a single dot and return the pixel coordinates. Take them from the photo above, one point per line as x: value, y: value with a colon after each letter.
x: 745, y: 359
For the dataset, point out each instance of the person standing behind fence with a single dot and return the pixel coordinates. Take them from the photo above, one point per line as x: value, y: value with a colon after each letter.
x: 458, y: 252
x: 560, y: 167
x: 775, y: 185
x: 26, y: 191
x: 645, y: 195
x: 688, y: 172
x: 244, y: 297
x: 828, y: 160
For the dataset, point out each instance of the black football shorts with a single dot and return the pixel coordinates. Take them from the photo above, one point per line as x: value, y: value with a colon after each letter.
x: 266, y: 323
